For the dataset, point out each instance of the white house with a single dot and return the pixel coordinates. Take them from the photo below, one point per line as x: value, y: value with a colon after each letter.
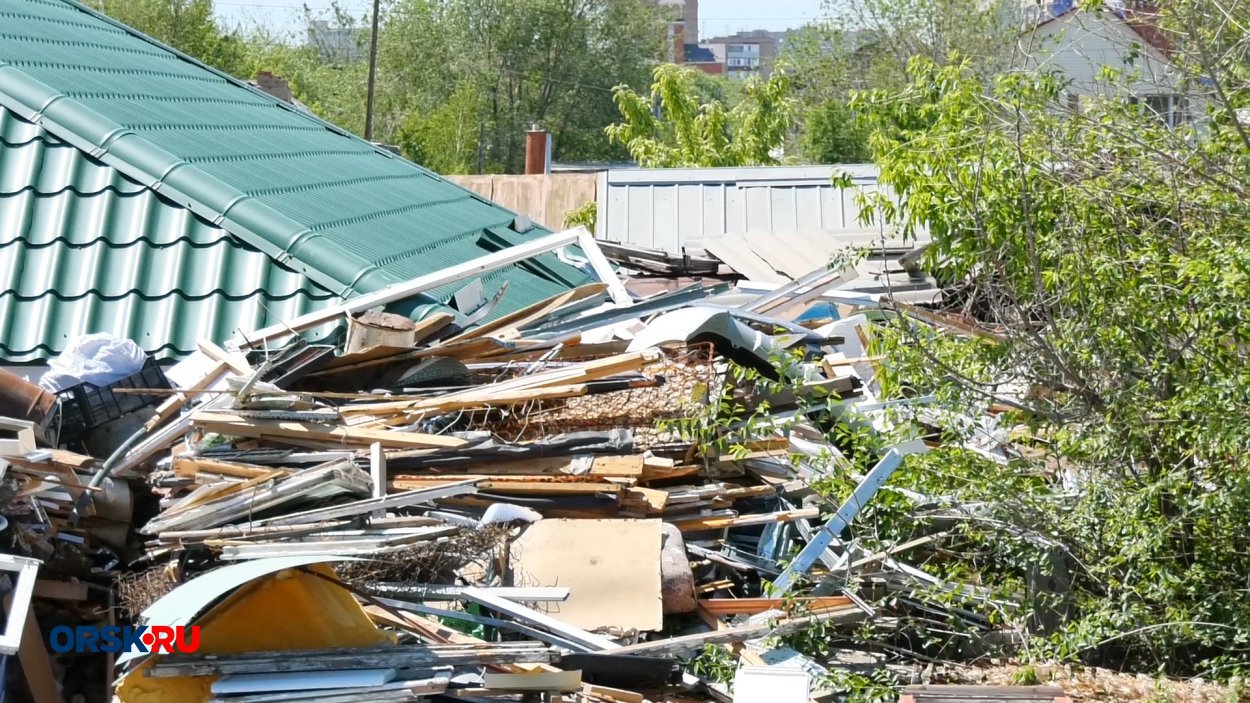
x: 1124, y: 37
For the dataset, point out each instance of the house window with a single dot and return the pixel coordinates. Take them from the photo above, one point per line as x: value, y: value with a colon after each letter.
x: 1172, y: 109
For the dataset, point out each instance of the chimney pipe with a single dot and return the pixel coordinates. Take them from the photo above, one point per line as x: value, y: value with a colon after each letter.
x: 537, y: 151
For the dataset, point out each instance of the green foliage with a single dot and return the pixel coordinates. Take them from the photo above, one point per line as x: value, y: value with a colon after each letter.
x: 186, y: 25
x: 675, y: 126
x: 715, y: 664
x: 1104, y: 255
x: 866, y: 44
x: 583, y: 216
x: 504, y: 67
x: 445, y: 140
x: 876, y: 686
x: 834, y: 134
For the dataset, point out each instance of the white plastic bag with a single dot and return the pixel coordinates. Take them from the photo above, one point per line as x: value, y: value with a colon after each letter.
x: 99, y: 359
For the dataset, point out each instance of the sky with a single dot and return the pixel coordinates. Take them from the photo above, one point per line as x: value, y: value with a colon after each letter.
x: 716, y: 16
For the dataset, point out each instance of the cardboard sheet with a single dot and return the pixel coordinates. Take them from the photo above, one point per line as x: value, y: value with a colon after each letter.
x: 611, y: 567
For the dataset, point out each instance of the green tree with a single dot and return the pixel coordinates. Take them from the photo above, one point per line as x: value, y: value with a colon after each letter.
x: 331, y: 84
x: 1101, y: 258
x: 833, y: 133
x: 674, y: 127
x: 186, y: 25
x: 867, y: 44
x: 506, y: 66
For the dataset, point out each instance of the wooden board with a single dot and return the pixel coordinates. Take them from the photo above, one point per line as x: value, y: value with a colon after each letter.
x: 542, y: 485
x: 233, y: 425
x: 986, y: 694
x: 611, y: 567
x: 752, y: 606
x: 717, y: 523
x: 626, y: 466
x: 534, y: 681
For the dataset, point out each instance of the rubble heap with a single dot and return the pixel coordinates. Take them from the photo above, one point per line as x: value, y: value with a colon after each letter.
x: 575, y: 499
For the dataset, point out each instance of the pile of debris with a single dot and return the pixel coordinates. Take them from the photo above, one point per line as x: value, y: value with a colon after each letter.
x: 574, y: 499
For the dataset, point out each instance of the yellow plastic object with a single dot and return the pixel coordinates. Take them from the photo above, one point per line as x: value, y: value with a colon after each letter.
x: 287, y: 610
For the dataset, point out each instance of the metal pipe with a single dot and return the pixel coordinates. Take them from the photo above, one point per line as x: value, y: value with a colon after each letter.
x: 23, y: 400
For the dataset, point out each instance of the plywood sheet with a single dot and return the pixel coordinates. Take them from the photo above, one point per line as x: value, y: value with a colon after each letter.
x: 611, y: 568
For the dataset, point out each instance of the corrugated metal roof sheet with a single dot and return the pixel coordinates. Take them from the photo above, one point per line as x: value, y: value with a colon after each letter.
x: 84, y: 249
x: 351, y: 217
x: 670, y: 208
x: 768, y: 223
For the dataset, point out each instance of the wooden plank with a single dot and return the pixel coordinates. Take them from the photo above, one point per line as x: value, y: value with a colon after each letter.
x: 433, y: 591
x: 188, y: 466
x: 651, y: 473
x: 515, y: 388
x: 565, y: 681
x: 377, y: 474
x: 488, y: 483
x: 753, y: 606
x: 625, y: 466
x: 986, y: 692
x: 55, y: 589
x: 35, y: 660
x: 233, y: 361
x: 426, y: 627
x: 611, y: 695
x: 763, y: 490
x: 227, y: 424
x: 713, y: 586
x: 653, y: 499
x: 430, y: 325
x: 717, y: 523
x: 360, y: 507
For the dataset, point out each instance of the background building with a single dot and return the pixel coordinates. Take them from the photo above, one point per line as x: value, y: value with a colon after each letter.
x: 746, y: 54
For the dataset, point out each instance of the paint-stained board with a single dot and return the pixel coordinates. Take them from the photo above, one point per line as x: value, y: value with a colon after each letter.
x: 611, y: 568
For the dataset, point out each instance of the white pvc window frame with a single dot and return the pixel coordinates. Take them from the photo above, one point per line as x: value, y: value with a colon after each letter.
x: 19, y: 599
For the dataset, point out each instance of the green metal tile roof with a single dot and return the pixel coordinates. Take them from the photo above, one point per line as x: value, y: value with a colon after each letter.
x: 350, y: 217
x: 84, y: 249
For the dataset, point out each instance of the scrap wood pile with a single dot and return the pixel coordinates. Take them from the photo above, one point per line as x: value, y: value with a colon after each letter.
x: 530, y: 504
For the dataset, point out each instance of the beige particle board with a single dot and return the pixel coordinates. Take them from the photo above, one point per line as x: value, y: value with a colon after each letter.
x: 611, y: 568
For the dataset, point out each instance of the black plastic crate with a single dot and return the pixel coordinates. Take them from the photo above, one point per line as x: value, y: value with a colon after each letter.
x: 86, y: 406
